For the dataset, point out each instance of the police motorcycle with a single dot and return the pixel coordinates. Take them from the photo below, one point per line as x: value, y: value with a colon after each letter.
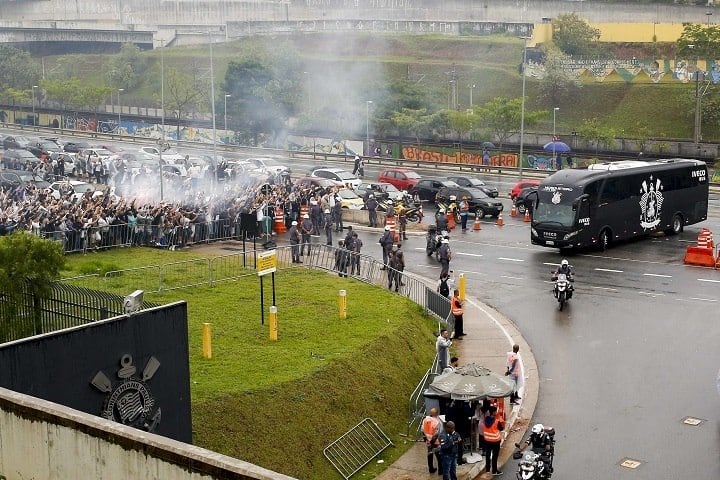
x: 433, y: 241
x: 563, y: 288
x: 413, y: 213
x: 537, y: 463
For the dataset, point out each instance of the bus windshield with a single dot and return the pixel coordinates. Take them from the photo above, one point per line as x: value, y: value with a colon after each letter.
x: 555, y: 206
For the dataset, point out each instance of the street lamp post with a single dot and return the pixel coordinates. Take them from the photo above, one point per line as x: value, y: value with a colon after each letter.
x: 697, y: 132
x: 367, y: 125
x: 226, y: 97
x: 522, y: 109
x: 162, y: 116
x: 555, y: 110
x: 33, y: 103
x: 472, y: 87
x: 119, y: 109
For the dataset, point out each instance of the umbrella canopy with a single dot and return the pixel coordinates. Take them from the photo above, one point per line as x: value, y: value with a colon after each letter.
x: 472, y: 382
x: 556, y: 147
x: 488, y: 145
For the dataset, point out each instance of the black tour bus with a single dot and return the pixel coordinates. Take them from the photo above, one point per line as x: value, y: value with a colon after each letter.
x: 607, y: 202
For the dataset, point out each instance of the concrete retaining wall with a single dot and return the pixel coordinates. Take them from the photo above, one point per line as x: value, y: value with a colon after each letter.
x: 46, y: 441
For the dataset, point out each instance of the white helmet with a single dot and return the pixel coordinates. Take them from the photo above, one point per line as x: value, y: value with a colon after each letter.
x: 537, y: 428
x: 564, y: 263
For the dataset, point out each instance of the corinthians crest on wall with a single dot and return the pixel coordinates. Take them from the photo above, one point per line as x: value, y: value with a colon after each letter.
x: 651, y: 200
x: 129, y: 400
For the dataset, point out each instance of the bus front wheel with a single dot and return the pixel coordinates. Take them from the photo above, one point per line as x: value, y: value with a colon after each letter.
x: 604, y: 240
x: 677, y: 225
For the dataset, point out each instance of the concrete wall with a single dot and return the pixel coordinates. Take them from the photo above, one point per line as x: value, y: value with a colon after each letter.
x: 41, y: 440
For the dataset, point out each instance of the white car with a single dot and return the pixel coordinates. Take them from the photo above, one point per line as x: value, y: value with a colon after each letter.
x: 169, y: 155
x: 74, y: 187
x: 339, y: 175
x: 269, y: 165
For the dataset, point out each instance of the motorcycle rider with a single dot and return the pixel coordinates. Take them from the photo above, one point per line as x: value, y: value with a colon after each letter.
x: 541, y: 443
x: 566, y: 269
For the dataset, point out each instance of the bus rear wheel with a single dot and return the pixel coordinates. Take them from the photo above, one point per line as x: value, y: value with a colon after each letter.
x: 604, y: 240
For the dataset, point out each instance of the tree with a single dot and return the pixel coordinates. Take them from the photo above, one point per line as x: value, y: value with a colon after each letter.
x: 573, y: 35
x: 125, y: 70
x: 41, y: 263
x: 17, y: 95
x: 17, y: 69
x: 557, y: 83
x: 705, y: 41
x: 184, y: 92
x: 502, y: 116
x: 413, y: 121
x: 599, y: 133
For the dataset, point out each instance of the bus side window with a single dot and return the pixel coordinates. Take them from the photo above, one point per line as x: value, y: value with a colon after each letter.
x: 592, y: 190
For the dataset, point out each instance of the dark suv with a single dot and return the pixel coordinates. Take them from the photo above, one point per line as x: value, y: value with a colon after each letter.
x: 475, y: 182
x: 479, y: 202
x: 427, y: 188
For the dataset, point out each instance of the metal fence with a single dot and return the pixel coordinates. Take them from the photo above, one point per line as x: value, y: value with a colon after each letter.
x: 357, y: 447
x: 66, y: 306
x: 416, y: 402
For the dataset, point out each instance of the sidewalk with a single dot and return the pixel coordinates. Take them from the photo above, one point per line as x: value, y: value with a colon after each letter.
x: 489, y: 337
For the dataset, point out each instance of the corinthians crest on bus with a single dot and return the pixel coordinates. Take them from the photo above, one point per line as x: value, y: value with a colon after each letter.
x: 651, y: 200
x: 129, y: 400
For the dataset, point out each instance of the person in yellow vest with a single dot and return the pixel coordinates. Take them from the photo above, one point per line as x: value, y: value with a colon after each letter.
x: 492, y: 426
x: 456, y: 306
x: 432, y: 426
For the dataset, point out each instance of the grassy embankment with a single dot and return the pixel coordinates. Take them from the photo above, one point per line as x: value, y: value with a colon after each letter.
x: 278, y: 404
x: 490, y: 63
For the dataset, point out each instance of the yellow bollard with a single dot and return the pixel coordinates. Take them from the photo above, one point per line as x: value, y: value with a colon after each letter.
x: 273, y: 323
x: 461, y: 286
x: 342, y: 304
x: 206, y: 341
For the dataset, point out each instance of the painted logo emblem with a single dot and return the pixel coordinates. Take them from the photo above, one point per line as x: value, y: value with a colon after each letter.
x: 651, y: 200
x: 130, y: 401
x: 556, y: 197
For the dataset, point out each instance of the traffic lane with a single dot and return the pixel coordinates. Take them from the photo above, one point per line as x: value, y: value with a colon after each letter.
x: 616, y: 382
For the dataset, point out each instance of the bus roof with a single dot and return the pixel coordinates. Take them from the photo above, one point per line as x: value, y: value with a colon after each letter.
x: 580, y: 176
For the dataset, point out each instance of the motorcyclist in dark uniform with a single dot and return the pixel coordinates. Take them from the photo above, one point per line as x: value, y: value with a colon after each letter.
x: 566, y: 269
x: 542, y: 442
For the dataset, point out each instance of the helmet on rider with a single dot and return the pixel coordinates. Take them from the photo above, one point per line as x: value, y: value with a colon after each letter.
x: 564, y: 263
x: 537, y: 428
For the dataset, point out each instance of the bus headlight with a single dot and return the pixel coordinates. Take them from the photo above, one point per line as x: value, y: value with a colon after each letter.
x: 571, y: 235
x: 533, y: 231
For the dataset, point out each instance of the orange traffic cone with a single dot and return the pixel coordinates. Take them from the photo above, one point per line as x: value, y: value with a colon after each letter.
x: 513, y: 211
x: 527, y: 215
x: 476, y: 225
x: 500, y: 221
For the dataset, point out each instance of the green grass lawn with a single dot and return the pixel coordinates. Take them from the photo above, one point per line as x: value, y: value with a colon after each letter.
x: 278, y: 404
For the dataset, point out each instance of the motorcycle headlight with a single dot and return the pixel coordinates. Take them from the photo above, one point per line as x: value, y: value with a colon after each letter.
x: 533, y: 231
x: 571, y: 235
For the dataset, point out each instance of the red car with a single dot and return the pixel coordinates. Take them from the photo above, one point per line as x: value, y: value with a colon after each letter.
x: 400, y: 178
x: 521, y: 185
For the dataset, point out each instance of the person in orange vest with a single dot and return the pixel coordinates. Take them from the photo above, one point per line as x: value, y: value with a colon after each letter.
x: 492, y: 426
x: 456, y: 306
x: 513, y: 371
x: 431, y: 429
x: 464, y: 213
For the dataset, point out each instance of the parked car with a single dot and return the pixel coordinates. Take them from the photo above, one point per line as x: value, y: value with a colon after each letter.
x: 270, y: 165
x: 74, y: 146
x: 13, y: 178
x: 47, y: 146
x: 169, y: 155
x: 74, y: 187
x: 523, y: 201
x: 381, y: 190
x: 475, y: 182
x: 318, y: 182
x: 480, y: 203
x: 400, y: 178
x: 16, y: 142
x: 522, y: 184
x: 339, y: 175
x: 427, y: 188
x: 17, y: 159
x: 350, y: 199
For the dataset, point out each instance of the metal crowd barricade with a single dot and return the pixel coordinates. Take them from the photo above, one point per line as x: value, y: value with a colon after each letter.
x: 184, y: 274
x: 416, y: 402
x: 357, y: 447
x: 148, y: 278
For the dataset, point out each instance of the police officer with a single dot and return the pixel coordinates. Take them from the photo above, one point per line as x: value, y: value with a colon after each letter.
x: 402, y: 220
x: 306, y: 228
x: 294, y: 242
x: 450, y: 442
x: 328, y: 226
x: 337, y: 213
x: 316, y: 216
x: 464, y: 213
x: 386, y: 242
x: 355, y: 246
x: 372, y: 205
x: 444, y: 254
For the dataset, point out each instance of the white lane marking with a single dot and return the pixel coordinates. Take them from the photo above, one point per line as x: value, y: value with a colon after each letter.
x: 703, y: 299
x: 651, y: 294
x: 508, y: 276
x: 657, y: 275
x: 468, y: 254
x: 687, y: 241
x: 551, y: 264
x: 608, y: 270
x: 708, y: 280
x: 606, y: 288
x: 511, y: 259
